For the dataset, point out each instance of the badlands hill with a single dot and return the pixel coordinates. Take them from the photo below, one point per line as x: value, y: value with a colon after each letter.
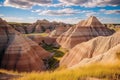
x: 19, y: 53
x: 38, y: 27
x: 100, y: 49
x: 83, y: 31
x: 49, y: 39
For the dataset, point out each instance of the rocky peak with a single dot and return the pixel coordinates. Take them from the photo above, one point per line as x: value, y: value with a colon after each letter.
x: 92, y: 21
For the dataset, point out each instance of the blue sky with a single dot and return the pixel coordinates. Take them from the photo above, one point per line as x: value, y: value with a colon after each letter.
x: 68, y: 11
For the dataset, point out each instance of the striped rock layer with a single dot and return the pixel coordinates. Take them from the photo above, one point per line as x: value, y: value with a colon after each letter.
x: 82, y: 32
x: 43, y: 25
x: 100, y: 49
x: 40, y: 39
x: 18, y: 52
x: 58, y: 31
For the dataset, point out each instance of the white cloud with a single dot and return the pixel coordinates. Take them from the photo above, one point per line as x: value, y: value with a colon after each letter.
x: 26, y: 4
x: 67, y: 20
x: 57, y: 5
x: 109, y: 20
x: 91, y: 3
x: 31, y: 17
x: 13, y: 19
x: 66, y: 11
x: 110, y: 11
x: 1, y: 15
x: 39, y: 10
x: 91, y: 13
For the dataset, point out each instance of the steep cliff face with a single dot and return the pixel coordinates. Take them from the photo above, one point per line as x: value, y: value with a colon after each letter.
x: 100, y: 49
x: 83, y: 31
x: 18, y: 52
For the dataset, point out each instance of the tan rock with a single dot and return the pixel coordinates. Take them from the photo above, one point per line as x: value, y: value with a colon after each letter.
x: 100, y: 49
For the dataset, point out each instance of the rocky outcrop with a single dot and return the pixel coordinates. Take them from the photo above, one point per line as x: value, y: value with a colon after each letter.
x: 100, y: 49
x: 83, y: 31
x: 19, y: 53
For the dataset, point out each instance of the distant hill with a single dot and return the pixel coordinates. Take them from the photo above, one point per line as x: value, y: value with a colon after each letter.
x: 39, y: 26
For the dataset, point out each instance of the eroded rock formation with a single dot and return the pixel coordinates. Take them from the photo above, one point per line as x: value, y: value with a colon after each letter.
x: 18, y: 52
x: 100, y: 49
x: 38, y: 27
x: 83, y: 31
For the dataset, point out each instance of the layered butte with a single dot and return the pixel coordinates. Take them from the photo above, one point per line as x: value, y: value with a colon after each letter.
x: 83, y: 31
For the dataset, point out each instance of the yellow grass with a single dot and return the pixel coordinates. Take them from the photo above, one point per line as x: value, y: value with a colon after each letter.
x: 108, y: 71
x: 116, y: 29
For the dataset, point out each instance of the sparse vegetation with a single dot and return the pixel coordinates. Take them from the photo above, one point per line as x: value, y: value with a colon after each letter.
x: 41, y: 34
x: 57, y: 52
x: 113, y: 26
x: 15, y: 23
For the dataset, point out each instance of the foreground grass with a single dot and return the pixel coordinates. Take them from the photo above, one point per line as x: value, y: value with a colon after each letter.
x: 105, y: 72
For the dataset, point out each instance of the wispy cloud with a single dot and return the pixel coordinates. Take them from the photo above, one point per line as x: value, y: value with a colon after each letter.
x: 109, y: 20
x: 13, y: 19
x: 110, y: 11
x: 91, y: 3
x: 91, y: 13
x: 67, y: 20
x: 1, y: 15
x: 26, y: 4
x: 65, y: 12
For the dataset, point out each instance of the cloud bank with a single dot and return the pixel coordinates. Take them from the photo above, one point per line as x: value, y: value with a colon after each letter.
x: 91, y: 3
x: 27, y: 4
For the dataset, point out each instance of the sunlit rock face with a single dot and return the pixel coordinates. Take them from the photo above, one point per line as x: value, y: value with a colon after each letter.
x: 100, y: 49
x: 18, y: 52
x: 83, y: 31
